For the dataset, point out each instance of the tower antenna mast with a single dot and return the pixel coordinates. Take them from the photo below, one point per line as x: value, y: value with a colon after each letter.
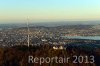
x: 28, y: 36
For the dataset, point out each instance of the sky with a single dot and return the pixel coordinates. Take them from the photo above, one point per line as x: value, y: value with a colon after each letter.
x: 49, y: 10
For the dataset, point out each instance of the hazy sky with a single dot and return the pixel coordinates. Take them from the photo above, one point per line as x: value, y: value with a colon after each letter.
x: 49, y: 10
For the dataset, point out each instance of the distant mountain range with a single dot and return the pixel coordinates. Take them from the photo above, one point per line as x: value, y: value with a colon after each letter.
x: 96, y: 24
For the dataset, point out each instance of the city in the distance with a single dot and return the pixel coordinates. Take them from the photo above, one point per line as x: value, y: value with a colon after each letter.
x: 49, y: 33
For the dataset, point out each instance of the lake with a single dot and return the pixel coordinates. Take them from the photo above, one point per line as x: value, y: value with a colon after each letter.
x: 83, y: 37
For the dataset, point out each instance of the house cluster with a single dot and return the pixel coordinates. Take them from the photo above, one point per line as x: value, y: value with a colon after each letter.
x: 58, y: 47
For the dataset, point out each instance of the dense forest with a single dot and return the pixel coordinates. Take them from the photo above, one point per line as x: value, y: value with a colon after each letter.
x: 18, y: 55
